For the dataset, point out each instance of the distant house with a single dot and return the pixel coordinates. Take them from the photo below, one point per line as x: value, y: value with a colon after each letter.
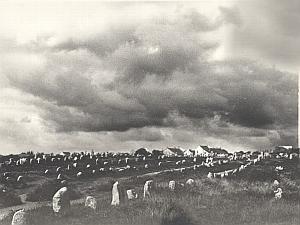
x: 189, y: 153
x: 239, y: 155
x: 142, y: 152
x: 173, y: 152
x: 1, y: 159
x: 65, y: 153
x: 283, y: 148
x: 219, y: 152
x: 202, y: 151
x: 24, y: 155
x: 157, y: 153
x: 205, y: 151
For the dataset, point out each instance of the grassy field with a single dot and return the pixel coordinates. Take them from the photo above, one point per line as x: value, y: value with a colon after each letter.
x: 246, y: 199
x: 210, y: 202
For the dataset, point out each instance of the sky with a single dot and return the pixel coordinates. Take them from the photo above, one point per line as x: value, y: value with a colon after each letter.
x: 82, y: 75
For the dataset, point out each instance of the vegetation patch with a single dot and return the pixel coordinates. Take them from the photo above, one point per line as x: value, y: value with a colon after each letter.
x: 46, y: 190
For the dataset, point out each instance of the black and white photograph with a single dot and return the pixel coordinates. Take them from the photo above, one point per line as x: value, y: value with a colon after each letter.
x: 149, y: 112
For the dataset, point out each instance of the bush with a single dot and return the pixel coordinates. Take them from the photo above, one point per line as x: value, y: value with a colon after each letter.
x: 46, y: 190
x: 8, y: 199
x: 175, y: 215
x: 258, y: 173
x: 290, y: 189
x: 105, y: 187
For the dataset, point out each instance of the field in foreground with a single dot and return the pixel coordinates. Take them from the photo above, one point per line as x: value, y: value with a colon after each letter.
x: 210, y: 202
x: 243, y: 199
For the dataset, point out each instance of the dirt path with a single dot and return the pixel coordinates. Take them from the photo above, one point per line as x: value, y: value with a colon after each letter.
x: 164, y: 171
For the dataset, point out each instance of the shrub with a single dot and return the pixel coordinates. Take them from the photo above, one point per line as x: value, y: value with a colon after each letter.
x: 9, y: 198
x: 175, y: 215
x: 46, y: 190
x: 258, y: 173
x: 106, y: 186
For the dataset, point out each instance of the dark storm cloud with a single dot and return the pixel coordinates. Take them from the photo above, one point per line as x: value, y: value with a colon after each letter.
x: 259, y: 96
x: 285, y: 15
x: 104, y: 43
x: 143, y: 134
x: 231, y: 15
x: 198, y: 22
x: 270, y: 31
x: 139, y: 76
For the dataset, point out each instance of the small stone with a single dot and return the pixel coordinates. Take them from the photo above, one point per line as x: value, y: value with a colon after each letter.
x: 20, y: 218
x: 172, y: 185
x: 131, y: 194
x: 91, y: 202
x: 190, y: 182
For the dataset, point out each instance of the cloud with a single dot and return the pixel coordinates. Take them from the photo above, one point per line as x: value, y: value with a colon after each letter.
x: 231, y: 15
x: 150, y: 82
x: 271, y: 35
x: 148, y: 134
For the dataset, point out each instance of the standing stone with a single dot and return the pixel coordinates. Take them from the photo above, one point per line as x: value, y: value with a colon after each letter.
x: 61, y: 201
x: 131, y: 194
x: 209, y: 175
x: 115, y: 194
x: 91, y: 202
x: 190, y: 182
x: 148, y: 187
x: 79, y: 174
x: 276, y: 183
x: 20, y: 218
x: 58, y: 169
x: 172, y: 185
x: 68, y: 168
x: 63, y: 182
x: 59, y: 177
x: 20, y: 179
x: 278, y: 194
